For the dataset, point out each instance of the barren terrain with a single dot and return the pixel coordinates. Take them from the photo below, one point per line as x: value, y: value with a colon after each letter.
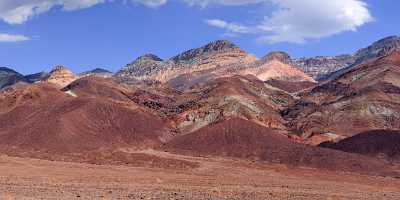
x: 211, y: 123
x: 215, y: 178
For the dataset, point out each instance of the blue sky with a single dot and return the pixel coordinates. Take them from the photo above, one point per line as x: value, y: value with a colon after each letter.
x: 35, y: 35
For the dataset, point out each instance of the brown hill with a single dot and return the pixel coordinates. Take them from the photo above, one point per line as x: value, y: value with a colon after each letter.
x: 97, y: 87
x: 378, y: 143
x: 245, y: 139
x: 365, y: 98
x: 44, y: 119
x: 239, y: 96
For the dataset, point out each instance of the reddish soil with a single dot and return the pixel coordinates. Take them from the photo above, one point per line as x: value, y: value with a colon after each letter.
x: 378, y: 143
x: 97, y: 87
x: 245, y: 139
x: 222, y: 179
x: 47, y: 120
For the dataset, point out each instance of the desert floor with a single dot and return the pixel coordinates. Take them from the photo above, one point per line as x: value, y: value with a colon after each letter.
x: 215, y: 178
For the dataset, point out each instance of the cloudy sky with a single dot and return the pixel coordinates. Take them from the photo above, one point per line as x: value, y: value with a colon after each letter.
x: 83, y: 34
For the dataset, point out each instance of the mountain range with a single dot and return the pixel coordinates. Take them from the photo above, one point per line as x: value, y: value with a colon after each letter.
x: 216, y: 100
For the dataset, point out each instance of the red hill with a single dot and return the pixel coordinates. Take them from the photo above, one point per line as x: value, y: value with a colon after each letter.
x: 245, y: 139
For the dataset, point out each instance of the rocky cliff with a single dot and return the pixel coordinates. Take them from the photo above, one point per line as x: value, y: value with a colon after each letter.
x: 321, y: 67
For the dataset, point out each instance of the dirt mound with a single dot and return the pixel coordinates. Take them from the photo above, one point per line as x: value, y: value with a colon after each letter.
x: 378, y: 143
x: 245, y: 139
x: 63, y: 124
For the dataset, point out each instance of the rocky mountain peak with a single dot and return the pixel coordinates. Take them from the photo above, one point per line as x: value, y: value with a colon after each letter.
x: 150, y: 56
x: 278, y: 56
x: 61, y: 76
x: 378, y: 49
x: 59, y: 68
x: 100, y: 72
x: 140, y: 68
x: 219, y: 45
x: 213, y: 47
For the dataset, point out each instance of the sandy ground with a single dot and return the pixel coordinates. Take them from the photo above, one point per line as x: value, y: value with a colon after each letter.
x: 216, y: 178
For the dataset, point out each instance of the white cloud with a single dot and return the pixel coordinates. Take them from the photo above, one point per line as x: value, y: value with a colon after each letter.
x: 151, y: 3
x: 292, y: 20
x: 20, y: 11
x: 231, y: 27
x: 204, y: 3
x: 12, y: 38
x: 296, y: 21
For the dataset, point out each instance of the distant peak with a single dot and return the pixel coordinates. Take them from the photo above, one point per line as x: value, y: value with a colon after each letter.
x: 216, y: 46
x: 149, y: 56
x: 219, y: 45
x: 278, y: 56
x: 8, y: 70
x: 99, y: 70
x: 389, y: 38
x: 59, y: 68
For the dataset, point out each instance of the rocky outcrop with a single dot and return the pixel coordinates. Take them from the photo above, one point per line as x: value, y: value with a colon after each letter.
x: 280, y: 56
x: 142, y: 68
x: 60, y: 76
x: 321, y: 67
x: 380, y: 48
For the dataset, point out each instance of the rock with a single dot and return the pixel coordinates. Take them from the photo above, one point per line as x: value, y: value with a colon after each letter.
x: 60, y: 76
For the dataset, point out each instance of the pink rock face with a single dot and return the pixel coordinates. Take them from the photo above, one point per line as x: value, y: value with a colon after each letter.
x: 278, y: 70
x: 60, y: 76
